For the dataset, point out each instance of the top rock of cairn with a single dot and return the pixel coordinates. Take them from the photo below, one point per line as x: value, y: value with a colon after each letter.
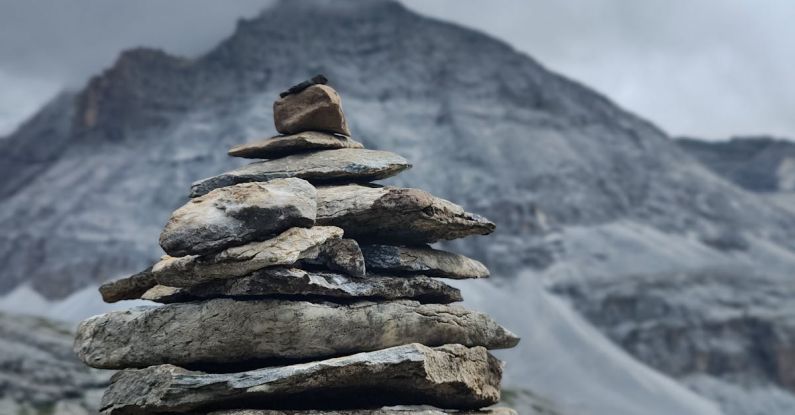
x: 281, y: 297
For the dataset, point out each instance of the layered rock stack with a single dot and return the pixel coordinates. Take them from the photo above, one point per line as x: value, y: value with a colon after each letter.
x: 292, y: 285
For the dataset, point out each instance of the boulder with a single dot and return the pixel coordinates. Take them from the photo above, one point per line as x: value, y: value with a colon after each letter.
x: 395, y: 215
x: 422, y: 260
x: 450, y: 376
x: 130, y: 288
x: 230, y: 333
x: 287, y: 248
x: 346, y: 164
x: 280, y: 281
x: 403, y: 410
x: 238, y: 214
x: 317, y: 107
x: 285, y: 145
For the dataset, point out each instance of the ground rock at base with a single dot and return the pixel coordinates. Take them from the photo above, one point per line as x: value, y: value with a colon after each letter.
x: 382, y: 411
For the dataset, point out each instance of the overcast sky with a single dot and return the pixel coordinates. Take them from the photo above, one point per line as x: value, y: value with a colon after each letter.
x: 708, y: 68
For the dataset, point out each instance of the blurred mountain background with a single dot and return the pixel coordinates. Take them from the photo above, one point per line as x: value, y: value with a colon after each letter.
x: 645, y: 273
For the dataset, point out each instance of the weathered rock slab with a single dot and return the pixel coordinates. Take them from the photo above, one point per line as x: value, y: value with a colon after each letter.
x: 226, y: 331
x: 382, y: 411
x: 422, y: 260
x: 342, y: 255
x: 130, y: 288
x: 286, y: 248
x: 347, y: 164
x: 396, y: 215
x: 285, y: 145
x: 450, y: 376
x: 317, y: 107
x: 239, y: 214
x: 301, y: 283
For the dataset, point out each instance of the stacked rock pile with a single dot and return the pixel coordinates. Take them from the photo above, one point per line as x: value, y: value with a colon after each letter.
x: 293, y: 286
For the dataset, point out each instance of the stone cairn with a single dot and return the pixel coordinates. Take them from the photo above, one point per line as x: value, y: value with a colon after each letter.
x: 281, y: 297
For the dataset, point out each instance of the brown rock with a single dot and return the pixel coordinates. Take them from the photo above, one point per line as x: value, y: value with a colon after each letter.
x: 317, y: 108
x: 129, y: 288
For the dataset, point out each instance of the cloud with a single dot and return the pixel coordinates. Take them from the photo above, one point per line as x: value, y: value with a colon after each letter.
x: 709, y: 68
x: 22, y: 97
x: 68, y: 41
x: 50, y: 45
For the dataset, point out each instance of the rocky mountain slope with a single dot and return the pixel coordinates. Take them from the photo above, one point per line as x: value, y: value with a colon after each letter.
x: 38, y: 372
x: 759, y: 164
x: 599, y: 204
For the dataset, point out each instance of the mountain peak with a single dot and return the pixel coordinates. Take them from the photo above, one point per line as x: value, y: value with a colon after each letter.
x: 345, y: 6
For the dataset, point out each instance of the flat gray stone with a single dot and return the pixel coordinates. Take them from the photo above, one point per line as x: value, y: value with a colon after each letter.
x: 130, y: 288
x: 347, y: 164
x: 239, y: 214
x: 317, y: 108
x: 285, y: 145
x: 226, y: 331
x: 382, y: 411
x: 286, y: 248
x: 301, y: 283
x: 450, y: 376
x: 422, y: 260
x: 395, y: 215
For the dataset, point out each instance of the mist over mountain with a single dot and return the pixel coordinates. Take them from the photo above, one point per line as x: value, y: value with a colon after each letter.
x: 596, y: 203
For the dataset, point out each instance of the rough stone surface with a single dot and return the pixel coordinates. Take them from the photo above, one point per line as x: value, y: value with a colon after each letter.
x: 422, y: 259
x: 338, y: 255
x: 298, y: 282
x: 225, y: 331
x: 382, y: 411
x: 287, y: 248
x: 346, y: 164
x: 396, y: 215
x: 239, y: 214
x: 129, y: 288
x: 285, y: 145
x: 318, y: 107
x: 450, y: 376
